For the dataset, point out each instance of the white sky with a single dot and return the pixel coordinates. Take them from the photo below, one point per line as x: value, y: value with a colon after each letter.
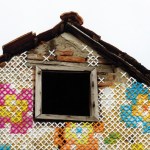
x: 123, y: 23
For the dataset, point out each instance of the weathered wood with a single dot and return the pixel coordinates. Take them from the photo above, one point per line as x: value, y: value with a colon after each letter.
x: 71, y: 59
x: 65, y: 117
x: 104, y: 70
x: 21, y: 44
x: 77, y: 68
x: 55, y: 63
x: 94, y: 95
x: 93, y: 99
x: 38, y: 93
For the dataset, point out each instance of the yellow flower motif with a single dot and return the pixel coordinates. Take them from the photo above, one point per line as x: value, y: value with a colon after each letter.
x: 142, y: 108
x: 137, y: 146
x: 78, y: 133
x: 13, y: 108
x: 141, y: 98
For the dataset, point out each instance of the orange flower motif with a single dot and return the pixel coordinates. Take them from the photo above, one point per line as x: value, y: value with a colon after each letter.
x: 79, y: 135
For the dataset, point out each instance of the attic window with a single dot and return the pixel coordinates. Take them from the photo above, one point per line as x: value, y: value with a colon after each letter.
x: 66, y: 93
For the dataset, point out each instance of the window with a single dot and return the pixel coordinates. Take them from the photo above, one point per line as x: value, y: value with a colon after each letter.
x: 66, y: 93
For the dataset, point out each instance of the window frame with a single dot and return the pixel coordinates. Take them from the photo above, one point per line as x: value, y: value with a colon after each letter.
x: 94, y: 114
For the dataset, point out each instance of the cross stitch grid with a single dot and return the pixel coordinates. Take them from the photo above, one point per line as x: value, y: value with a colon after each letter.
x: 43, y: 136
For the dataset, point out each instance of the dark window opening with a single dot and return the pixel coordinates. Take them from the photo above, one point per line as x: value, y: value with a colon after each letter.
x: 66, y: 92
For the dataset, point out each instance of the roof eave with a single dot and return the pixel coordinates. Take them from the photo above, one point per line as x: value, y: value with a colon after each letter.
x: 133, y: 70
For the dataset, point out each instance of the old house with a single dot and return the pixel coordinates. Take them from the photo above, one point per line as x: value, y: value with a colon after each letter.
x: 67, y: 89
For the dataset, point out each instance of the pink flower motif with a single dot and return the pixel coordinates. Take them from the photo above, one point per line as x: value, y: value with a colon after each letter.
x: 27, y: 120
x: 22, y: 127
x: 4, y: 120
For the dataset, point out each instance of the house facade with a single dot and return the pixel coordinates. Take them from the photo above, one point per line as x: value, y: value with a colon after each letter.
x: 66, y: 89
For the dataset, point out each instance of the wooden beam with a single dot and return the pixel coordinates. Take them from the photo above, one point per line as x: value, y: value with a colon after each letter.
x: 19, y: 45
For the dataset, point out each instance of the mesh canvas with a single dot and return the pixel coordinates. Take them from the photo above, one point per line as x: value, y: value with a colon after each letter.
x: 124, y: 115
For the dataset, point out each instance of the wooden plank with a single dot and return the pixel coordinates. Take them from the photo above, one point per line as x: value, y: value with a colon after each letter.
x: 55, y: 63
x: 94, y: 95
x: 38, y: 92
x: 66, y: 117
x: 46, y: 67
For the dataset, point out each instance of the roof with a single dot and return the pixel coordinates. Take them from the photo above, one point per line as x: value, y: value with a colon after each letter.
x: 71, y: 22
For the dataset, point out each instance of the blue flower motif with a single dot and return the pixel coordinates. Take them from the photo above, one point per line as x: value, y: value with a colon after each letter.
x: 79, y: 130
x: 4, y: 147
x: 136, y: 89
x: 127, y: 110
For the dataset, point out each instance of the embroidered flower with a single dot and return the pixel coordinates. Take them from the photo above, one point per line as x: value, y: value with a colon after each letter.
x: 139, y: 110
x: 80, y: 136
x: 78, y: 133
x: 15, y: 108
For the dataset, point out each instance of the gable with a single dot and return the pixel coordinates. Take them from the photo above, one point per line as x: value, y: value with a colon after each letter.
x: 71, y: 51
x: 64, y: 45
x: 121, y: 104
